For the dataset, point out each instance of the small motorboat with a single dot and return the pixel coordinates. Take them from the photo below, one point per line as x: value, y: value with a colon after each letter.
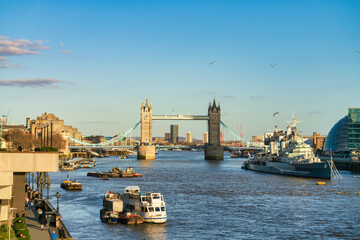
x: 320, y: 183
x: 131, y: 218
x: 71, y: 185
x: 109, y: 216
x: 128, y: 172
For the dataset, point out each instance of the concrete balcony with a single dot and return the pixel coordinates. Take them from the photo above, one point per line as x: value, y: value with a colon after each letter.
x: 13, y: 167
x: 28, y: 162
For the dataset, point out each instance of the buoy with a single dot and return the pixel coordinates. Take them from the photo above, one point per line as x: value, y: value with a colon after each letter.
x: 320, y: 183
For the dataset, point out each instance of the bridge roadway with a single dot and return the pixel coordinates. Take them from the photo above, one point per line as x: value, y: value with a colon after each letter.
x: 180, y: 117
x: 226, y: 148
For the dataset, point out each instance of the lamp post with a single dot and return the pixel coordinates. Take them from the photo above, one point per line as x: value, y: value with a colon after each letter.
x: 41, y: 135
x: 9, y: 220
x: 47, y: 134
x: 51, y: 123
x: 32, y: 183
x: 57, y: 196
x: 43, y: 126
x: 47, y: 187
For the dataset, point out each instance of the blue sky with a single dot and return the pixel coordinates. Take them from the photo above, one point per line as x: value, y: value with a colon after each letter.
x: 95, y: 62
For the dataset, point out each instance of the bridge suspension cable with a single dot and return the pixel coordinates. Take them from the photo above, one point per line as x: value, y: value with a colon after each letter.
x: 237, y: 137
x: 117, y: 138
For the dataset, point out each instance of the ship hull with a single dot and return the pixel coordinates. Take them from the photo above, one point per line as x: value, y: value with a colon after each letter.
x: 311, y: 170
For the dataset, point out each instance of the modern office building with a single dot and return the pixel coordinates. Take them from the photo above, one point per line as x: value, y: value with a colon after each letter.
x: 167, y: 136
x: 3, y: 120
x: 344, y: 136
x: 354, y: 128
x: 205, y: 137
x: 188, y: 137
x: 174, y: 131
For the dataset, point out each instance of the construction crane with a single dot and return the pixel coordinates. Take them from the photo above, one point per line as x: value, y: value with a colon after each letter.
x: 159, y: 136
x: 222, y: 134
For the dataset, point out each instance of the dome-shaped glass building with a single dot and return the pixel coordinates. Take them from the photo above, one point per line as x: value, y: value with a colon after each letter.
x: 345, y: 134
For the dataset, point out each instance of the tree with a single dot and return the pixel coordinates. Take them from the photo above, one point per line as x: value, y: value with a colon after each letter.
x: 18, y: 138
x: 28, y: 142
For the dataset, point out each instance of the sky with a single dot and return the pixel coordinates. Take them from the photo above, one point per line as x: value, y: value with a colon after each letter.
x: 93, y: 63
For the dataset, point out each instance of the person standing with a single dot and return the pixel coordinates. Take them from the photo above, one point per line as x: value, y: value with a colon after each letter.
x: 62, y: 233
x: 40, y: 217
x: 53, y: 236
x: 48, y: 218
x: 44, y: 217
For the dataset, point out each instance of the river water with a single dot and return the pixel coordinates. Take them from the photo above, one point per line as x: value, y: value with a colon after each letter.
x: 214, y: 200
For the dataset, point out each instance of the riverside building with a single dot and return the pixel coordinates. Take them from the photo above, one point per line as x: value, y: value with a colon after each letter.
x: 188, y: 137
x: 344, y: 136
x: 46, y: 120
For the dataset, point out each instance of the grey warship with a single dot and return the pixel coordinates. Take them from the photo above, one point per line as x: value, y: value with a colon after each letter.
x: 295, y: 158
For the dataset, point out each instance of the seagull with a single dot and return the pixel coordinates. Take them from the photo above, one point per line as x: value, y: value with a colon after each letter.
x: 212, y: 62
x: 273, y: 66
x: 275, y: 114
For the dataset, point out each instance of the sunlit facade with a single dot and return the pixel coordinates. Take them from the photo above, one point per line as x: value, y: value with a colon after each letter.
x: 345, y: 134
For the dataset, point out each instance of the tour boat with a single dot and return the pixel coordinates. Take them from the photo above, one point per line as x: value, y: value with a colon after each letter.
x: 112, y: 207
x: 150, y: 206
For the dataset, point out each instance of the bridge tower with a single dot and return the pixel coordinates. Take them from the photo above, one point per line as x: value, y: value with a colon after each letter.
x: 146, y: 150
x: 214, y: 150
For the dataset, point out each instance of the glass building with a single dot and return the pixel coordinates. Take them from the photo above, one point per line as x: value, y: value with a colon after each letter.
x: 344, y: 136
x: 354, y: 128
x: 174, y: 131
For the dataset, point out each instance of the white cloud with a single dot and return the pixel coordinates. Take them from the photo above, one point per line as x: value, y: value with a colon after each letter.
x: 10, y: 50
x: 65, y: 51
x: 6, y: 65
x: 257, y: 97
x: 19, y: 47
x: 40, y: 82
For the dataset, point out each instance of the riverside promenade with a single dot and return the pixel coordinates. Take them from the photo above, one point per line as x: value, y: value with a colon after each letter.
x: 32, y: 218
x: 34, y: 227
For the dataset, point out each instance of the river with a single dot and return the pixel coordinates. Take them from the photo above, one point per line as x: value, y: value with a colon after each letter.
x: 214, y: 200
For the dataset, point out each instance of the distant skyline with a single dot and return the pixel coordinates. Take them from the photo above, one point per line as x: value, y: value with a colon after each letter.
x: 92, y: 63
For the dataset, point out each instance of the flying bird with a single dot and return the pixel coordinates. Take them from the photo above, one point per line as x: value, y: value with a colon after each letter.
x: 357, y: 51
x: 275, y: 114
x: 212, y: 62
x: 273, y: 65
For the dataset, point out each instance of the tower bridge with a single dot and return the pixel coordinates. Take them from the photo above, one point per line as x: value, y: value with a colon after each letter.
x: 213, y: 151
x: 146, y: 149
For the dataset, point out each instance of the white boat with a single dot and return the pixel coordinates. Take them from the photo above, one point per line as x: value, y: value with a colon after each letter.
x: 150, y: 206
